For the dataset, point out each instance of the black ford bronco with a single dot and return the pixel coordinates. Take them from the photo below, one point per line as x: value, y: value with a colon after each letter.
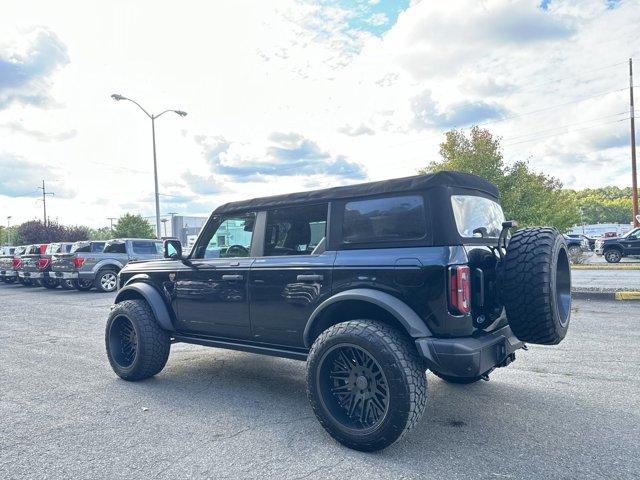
x: 371, y: 284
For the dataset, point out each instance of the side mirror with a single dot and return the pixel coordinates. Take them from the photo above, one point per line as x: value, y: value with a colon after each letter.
x: 173, y: 249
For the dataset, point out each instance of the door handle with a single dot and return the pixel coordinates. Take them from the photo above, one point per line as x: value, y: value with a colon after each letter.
x: 232, y: 278
x: 310, y: 278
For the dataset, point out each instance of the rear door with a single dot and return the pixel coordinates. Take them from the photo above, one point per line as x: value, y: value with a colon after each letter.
x: 292, y: 275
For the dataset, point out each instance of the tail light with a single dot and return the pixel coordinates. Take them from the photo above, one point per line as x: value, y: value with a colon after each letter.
x: 460, y: 289
x: 42, y: 263
x: 15, y: 263
x: 78, y: 262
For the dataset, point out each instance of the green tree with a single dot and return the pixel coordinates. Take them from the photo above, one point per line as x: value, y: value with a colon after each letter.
x: 526, y: 196
x: 135, y: 226
x: 103, y: 233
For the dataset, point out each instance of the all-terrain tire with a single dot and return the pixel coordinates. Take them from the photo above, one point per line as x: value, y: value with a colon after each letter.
x: 106, y: 280
x: 398, y: 363
x: 536, y: 285
x: 151, y: 344
x: 457, y: 380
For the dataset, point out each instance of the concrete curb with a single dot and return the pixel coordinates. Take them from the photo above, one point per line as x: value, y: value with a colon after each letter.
x: 584, y: 294
x: 616, y: 266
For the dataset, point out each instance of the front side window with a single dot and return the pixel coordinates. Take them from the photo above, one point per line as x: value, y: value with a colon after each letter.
x: 295, y: 231
x: 384, y: 219
x: 477, y: 217
x: 232, y: 238
x: 146, y: 248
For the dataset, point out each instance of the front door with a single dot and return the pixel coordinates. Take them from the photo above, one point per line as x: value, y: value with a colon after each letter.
x: 292, y: 276
x: 211, y: 292
x: 631, y: 243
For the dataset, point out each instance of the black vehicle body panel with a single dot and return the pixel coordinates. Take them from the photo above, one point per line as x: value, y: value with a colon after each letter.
x: 629, y: 245
x: 275, y: 304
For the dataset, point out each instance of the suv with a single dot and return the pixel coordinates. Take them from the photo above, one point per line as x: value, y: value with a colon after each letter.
x: 615, y: 248
x: 96, y: 264
x: 371, y: 284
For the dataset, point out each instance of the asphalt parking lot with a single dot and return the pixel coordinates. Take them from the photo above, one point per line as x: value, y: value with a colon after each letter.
x: 571, y: 411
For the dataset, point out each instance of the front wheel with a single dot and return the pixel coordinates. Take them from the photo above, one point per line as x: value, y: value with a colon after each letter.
x: 612, y: 256
x: 137, y: 347
x: 366, y: 384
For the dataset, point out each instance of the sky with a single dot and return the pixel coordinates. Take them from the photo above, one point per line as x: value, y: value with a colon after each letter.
x: 292, y: 95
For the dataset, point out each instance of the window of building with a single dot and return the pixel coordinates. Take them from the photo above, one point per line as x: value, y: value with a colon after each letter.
x: 384, y: 219
x: 295, y: 230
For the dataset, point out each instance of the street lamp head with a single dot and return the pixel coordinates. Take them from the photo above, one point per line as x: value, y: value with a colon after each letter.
x: 181, y: 113
x: 117, y: 97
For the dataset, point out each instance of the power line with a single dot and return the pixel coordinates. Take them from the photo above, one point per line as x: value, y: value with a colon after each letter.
x: 563, y: 126
x: 565, y: 133
x: 581, y: 78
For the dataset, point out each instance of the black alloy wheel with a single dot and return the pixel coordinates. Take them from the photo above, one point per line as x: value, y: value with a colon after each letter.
x: 123, y: 341
x: 353, y: 387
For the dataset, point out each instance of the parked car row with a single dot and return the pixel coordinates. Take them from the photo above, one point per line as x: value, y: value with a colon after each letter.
x: 80, y: 265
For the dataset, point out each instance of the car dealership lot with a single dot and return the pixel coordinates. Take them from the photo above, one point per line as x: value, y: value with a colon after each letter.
x: 571, y: 411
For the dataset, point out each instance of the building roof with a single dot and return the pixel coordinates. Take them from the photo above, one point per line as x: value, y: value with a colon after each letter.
x: 395, y: 185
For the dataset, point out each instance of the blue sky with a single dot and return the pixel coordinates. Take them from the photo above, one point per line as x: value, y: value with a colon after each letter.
x: 294, y: 94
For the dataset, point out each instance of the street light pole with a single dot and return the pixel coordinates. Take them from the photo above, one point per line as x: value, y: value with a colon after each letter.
x: 9, y: 230
x: 181, y: 113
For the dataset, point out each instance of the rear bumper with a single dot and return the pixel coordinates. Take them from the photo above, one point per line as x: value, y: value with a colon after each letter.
x: 31, y: 275
x: 469, y: 356
x: 73, y: 275
x: 8, y: 274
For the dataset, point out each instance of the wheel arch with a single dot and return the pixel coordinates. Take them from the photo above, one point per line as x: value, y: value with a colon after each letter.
x: 108, y: 264
x: 364, y: 303
x: 151, y: 295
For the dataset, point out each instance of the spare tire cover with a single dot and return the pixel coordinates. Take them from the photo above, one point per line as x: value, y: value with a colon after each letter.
x: 536, y: 285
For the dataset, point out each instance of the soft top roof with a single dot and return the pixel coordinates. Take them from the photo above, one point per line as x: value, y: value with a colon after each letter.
x: 395, y: 185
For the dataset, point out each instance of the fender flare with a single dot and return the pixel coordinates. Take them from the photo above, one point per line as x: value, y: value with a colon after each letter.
x: 402, y: 312
x: 107, y: 263
x: 154, y: 298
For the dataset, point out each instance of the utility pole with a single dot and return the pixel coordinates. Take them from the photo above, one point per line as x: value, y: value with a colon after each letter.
x: 634, y: 178
x: 173, y: 214
x: 111, y: 219
x: 44, y: 201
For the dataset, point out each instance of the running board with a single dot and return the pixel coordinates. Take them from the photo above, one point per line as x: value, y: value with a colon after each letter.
x: 295, y: 354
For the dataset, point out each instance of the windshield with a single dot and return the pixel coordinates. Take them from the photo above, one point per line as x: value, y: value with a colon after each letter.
x: 477, y: 217
x: 630, y: 232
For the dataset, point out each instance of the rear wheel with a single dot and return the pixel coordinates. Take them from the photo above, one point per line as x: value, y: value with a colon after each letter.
x: 137, y: 347
x: 9, y: 279
x: 67, y: 284
x: 106, y: 280
x: 49, y: 282
x: 537, y: 285
x: 83, y: 285
x: 612, y: 256
x: 366, y: 384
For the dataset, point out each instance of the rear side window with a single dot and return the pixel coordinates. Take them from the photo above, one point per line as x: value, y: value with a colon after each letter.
x: 80, y: 247
x: 118, y: 247
x: 295, y: 230
x: 476, y: 216
x: 384, y: 219
x: 146, y: 248
x: 97, y: 247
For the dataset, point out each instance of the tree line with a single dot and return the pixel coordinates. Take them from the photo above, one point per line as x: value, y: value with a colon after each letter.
x: 35, y: 231
x: 527, y: 196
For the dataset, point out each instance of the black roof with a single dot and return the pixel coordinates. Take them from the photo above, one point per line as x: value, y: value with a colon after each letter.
x: 395, y: 185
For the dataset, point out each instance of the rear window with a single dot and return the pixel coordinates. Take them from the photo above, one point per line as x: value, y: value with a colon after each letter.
x: 384, y: 219
x: 477, y: 217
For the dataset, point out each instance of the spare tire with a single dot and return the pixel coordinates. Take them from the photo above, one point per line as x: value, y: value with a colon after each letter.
x: 536, y: 285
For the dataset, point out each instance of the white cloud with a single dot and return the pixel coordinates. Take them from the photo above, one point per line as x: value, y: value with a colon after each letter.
x: 296, y: 95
